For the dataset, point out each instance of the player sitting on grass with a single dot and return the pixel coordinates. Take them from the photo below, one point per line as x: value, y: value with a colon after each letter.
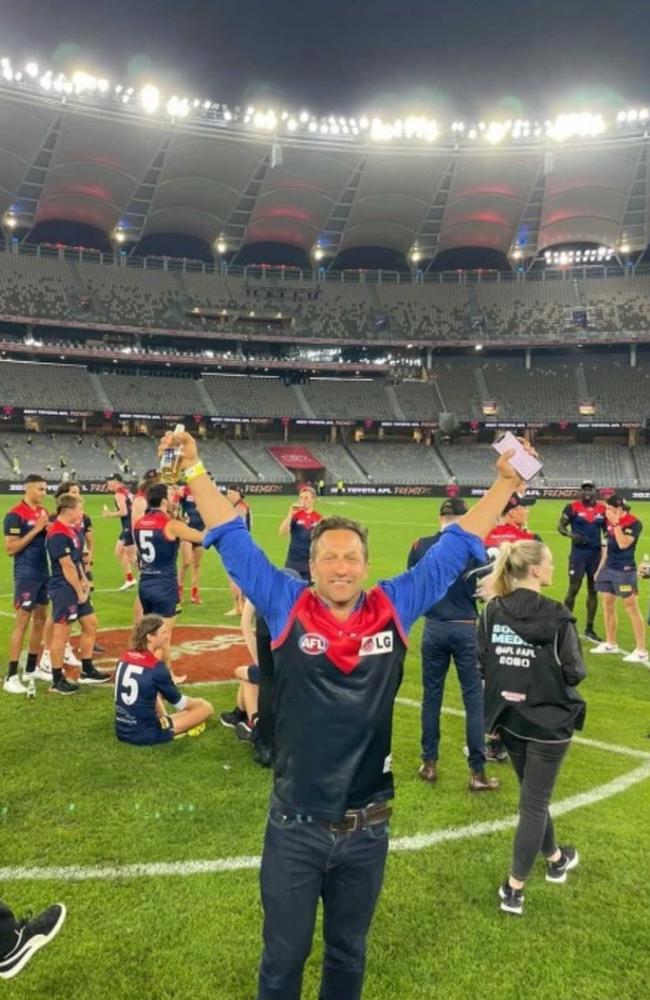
x: 243, y: 717
x: 142, y: 681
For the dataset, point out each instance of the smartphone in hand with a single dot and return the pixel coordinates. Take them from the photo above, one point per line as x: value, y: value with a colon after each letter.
x: 522, y: 461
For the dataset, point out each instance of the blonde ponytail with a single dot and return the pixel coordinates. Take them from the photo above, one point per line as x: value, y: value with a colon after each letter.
x: 513, y: 565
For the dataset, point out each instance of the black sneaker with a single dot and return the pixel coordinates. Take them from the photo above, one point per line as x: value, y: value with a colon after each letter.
x: 244, y: 730
x: 63, y: 687
x: 556, y: 870
x: 590, y: 634
x: 263, y: 755
x: 31, y: 935
x: 230, y: 719
x: 93, y: 676
x: 512, y: 900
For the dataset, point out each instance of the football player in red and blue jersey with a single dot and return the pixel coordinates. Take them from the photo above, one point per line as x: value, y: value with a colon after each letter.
x: 24, y: 532
x: 157, y: 537
x: 299, y: 524
x: 235, y: 496
x: 125, y: 548
x: 584, y: 522
x: 339, y: 653
x: 191, y: 552
x: 69, y: 591
x: 617, y: 577
x: 143, y: 683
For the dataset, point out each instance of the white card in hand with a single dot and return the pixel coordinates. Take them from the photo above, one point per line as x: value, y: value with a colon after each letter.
x: 522, y: 461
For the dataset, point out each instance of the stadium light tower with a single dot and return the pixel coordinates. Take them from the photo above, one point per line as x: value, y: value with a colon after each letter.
x: 220, y: 246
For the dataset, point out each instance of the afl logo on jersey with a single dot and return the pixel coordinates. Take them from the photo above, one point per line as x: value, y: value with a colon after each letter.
x: 313, y: 644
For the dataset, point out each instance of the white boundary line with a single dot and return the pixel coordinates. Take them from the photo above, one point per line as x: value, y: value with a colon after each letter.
x: 418, y: 842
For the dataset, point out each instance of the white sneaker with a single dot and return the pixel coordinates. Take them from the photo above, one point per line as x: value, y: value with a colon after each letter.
x: 128, y: 584
x: 604, y: 647
x: 40, y: 674
x: 12, y: 685
x: 637, y: 656
x: 231, y: 613
x: 45, y: 663
x: 69, y: 656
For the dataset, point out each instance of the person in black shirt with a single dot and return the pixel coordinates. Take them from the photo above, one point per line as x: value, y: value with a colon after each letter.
x: 450, y: 631
x: 530, y: 655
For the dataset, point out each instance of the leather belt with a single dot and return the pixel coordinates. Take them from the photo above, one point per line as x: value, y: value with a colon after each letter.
x: 356, y: 819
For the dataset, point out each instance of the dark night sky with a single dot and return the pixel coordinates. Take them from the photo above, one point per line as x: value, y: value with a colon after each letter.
x: 458, y: 58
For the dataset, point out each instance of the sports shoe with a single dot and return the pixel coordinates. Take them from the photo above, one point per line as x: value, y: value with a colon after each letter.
x: 93, y: 676
x: 244, y: 730
x: 128, y: 584
x: 512, y: 900
x: 604, y: 648
x: 195, y: 596
x: 231, y: 613
x: 230, y: 719
x: 63, y: 687
x: 556, y: 870
x: 591, y: 634
x: 32, y: 934
x: 12, y: 685
x: 70, y: 657
x: 45, y: 663
x: 479, y: 782
x: 37, y: 675
x: 498, y: 756
x: 194, y: 731
x: 637, y: 656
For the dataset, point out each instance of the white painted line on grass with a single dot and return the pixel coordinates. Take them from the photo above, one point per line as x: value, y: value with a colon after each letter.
x: 418, y: 842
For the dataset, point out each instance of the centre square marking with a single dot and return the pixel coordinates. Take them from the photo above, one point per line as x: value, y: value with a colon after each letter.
x: 205, y: 653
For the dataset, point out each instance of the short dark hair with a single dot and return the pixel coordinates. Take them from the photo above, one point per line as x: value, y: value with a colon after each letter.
x: 114, y: 476
x: 33, y: 477
x: 65, y: 488
x: 156, y: 494
x: 147, y: 625
x: 67, y: 502
x: 337, y: 523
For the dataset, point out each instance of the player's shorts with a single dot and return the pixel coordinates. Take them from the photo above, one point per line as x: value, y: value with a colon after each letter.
x: 65, y: 607
x: 30, y: 592
x: 159, y: 597
x: 158, y: 731
x: 253, y: 674
x: 583, y: 562
x: 299, y: 570
x: 126, y: 537
x: 621, y: 582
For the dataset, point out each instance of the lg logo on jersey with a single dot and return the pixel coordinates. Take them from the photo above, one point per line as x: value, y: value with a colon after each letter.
x: 381, y: 642
x: 313, y: 644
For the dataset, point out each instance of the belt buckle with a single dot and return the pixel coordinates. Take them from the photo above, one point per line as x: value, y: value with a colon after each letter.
x: 354, y: 816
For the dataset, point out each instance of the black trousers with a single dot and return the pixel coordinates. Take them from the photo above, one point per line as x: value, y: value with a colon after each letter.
x: 7, y: 929
x: 266, y: 700
x: 537, y: 766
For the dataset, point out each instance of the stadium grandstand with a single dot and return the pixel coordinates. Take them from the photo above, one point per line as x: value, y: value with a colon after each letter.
x: 399, y: 374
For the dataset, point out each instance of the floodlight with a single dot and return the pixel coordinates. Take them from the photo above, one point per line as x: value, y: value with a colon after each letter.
x: 32, y: 70
x: 150, y: 98
x: 221, y: 246
x: 318, y: 253
x: 119, y: 235
x: 624, y: 247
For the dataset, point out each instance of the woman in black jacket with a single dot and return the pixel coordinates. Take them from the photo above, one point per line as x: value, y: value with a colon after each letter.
x: 531, y: 659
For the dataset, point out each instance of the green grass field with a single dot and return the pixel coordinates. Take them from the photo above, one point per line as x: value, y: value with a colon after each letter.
x: 71, y: 795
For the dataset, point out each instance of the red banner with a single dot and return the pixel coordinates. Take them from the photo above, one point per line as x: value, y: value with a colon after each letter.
x: 293, y: 456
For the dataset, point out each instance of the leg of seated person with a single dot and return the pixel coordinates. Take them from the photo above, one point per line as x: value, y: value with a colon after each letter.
x: 198, y: 712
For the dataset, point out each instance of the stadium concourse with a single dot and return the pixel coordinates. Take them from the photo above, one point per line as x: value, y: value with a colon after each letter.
x: 361, y: 305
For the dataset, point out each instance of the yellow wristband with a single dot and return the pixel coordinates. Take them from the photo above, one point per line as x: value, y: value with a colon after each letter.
x: 194, y: 471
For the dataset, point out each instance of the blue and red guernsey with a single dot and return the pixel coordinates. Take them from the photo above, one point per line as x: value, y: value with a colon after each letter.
x: 301, y: 527
x: 128, y: 499
x: 623, y: 559
x: 586, y: 520
x: 157, y: 552
x: 63, y: 540
x: 139, y: 677
x: 336, y: 680
x: 31, y: 563
x: 189, y: 509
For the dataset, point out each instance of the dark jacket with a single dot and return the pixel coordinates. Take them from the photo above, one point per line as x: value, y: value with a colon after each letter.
x: 530, y: 656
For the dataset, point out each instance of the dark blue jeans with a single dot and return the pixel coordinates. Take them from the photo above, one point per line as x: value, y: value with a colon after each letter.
x: 441, y: 641
x: 301, y: 862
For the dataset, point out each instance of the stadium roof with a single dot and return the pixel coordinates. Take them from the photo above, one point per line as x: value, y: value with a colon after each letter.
x: 139, y: 177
